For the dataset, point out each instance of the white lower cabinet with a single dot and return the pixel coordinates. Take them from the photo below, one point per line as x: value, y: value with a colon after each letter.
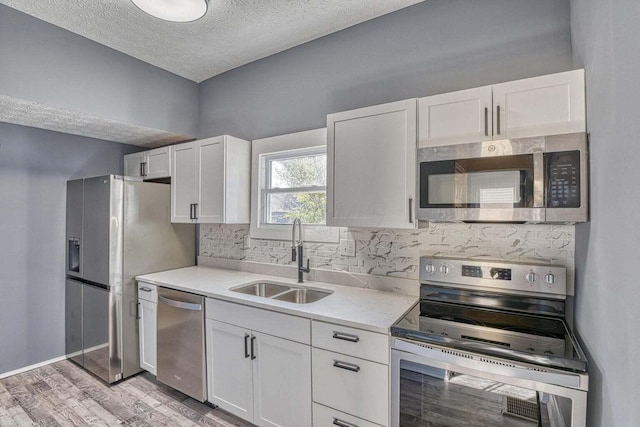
x: 351, y: 385
x: 147, y: 327
x: 255, y: 375
x: 324, y: 416
x: 350, y: 376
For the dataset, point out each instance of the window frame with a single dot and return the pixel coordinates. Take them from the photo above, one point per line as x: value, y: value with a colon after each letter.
x: 267, y: 172
x: 270, y: 148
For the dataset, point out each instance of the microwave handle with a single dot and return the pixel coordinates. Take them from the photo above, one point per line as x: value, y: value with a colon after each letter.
x: 538, y: 179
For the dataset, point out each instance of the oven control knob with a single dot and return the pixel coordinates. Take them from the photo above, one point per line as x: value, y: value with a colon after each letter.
x: 430, y: 268
x: 531, y: 277
x: 550, y: 278
x: 444, y: 269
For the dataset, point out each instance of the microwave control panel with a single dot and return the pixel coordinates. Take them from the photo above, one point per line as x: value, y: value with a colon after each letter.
x: 563, y: 179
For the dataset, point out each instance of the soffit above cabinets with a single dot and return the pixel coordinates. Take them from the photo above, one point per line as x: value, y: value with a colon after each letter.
x: 231, y: 34
x: 58, y: 119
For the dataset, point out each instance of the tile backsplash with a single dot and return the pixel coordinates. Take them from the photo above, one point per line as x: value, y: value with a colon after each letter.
x: 395, y: 253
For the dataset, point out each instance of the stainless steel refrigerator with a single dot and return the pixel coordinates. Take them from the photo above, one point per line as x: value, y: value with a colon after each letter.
x: 117, y: 228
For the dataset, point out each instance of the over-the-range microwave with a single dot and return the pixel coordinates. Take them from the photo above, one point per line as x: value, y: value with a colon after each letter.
x: 541, y: 179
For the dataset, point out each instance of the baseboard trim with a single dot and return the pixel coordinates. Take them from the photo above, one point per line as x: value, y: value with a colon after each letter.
x: 30, y: 367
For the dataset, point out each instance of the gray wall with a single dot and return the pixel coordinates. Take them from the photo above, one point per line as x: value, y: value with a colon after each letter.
x: 34, y: 167
x: 605, y: 40
x: 433, y: 47
x: 44, y: 63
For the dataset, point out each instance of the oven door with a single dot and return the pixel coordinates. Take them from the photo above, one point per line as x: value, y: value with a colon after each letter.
x: 444, y: 387
x: 488, y: 181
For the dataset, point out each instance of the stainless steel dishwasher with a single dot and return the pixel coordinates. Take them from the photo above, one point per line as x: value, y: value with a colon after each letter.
x: 181, y: 358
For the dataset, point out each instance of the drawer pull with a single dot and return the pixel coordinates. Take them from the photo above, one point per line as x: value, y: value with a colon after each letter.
x: 348, y: 366
x: 338, y: 422
x: 145, y: 289
x: 346, y: 337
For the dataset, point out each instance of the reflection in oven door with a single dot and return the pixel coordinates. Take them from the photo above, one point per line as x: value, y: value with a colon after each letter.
x: 437, y: 397
x: 428, y: 392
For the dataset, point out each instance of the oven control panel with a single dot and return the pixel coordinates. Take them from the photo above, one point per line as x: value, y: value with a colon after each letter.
x: 499, y: 276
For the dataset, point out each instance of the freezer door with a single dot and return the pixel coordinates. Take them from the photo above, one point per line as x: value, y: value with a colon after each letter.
x: 73, y: 241
x: 102, y: 230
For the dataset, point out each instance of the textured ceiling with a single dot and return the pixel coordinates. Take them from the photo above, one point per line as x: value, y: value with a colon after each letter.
x: 232, y: 33
x: 33, y: 114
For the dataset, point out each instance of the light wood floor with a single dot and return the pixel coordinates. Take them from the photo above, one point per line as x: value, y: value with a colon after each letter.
x: 62, y: 394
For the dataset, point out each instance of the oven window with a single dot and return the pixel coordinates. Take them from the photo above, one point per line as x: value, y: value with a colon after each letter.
x: 435, y: 397
x: 496, y: 182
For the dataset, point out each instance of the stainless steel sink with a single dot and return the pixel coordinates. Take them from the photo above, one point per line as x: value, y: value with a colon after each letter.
x: 266, y: 289
x: 302, y: 296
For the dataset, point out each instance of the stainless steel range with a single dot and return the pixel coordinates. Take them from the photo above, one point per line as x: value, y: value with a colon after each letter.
x: 487, y: 344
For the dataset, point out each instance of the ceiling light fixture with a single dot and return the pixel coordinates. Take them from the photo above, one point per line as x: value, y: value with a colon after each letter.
x: 173, y: 10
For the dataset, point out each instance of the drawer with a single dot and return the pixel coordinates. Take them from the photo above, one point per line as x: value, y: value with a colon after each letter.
x: 351, y: 385
x: 148, y: 292
x: 354, y: 342
x: 328, y: 417
x: 269, y: 322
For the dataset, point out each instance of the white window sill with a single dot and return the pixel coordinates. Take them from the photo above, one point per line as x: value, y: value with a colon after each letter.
x: 310, y: 233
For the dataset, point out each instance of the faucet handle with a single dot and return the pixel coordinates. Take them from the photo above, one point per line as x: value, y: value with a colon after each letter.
x: 293, y: 253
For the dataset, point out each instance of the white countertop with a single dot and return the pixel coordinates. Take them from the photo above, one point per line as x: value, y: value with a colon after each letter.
x: 351, y: 306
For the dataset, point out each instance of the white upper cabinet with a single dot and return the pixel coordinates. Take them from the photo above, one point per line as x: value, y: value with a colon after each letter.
x: 546, y: 105
x: 371, y: 155
x: 133, y: 164
x: 152, y: 164
x: 158, y: 163
x: 456, y: 117
x: 210, y: 181
x: 184, y: 179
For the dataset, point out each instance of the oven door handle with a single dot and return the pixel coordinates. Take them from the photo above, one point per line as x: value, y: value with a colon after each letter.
x: 538, y: 179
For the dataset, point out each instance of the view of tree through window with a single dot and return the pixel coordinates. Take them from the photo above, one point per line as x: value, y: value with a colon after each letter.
x: 296, y: 187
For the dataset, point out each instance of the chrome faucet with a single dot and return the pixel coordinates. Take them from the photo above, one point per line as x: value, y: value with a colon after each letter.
x: 297, y: 250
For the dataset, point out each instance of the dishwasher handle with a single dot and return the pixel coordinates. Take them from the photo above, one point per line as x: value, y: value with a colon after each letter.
x: 180, y: 304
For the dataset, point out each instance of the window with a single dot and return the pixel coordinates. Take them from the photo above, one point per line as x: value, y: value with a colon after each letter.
x: 295, y: 185
x: 289, y: 179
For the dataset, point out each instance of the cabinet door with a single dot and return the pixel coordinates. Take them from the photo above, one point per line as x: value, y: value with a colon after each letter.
x: 211, y: 164
x: 147, y: 312
x: 371, y: 166
x: 546, y: 105
x: 133, y: 162
x: 183, y: 182
x: 282, y: 382
x: 229, y: 368
x: 158, y: 163
x: 455, y: 118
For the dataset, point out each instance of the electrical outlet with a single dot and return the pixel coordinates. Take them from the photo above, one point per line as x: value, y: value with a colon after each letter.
x: 347, y: 247
x: 247, y: 242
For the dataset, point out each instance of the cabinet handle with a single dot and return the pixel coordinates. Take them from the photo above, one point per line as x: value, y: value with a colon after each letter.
x: 195, y: 211
x: 338, y: 422
x: 141, y: 168
x: 344, y: 365
x: 410, y: 210
x: 345, y: 337
x: 192, y: 211
x: 253, y: 355
x: 138, y: 311
x: 498, y: 120
x: 246, y: 346
x: 486, y: 121
x: 145, y: 289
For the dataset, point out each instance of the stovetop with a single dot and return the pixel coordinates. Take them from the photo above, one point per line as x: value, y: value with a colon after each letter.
x: 541, y: 340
